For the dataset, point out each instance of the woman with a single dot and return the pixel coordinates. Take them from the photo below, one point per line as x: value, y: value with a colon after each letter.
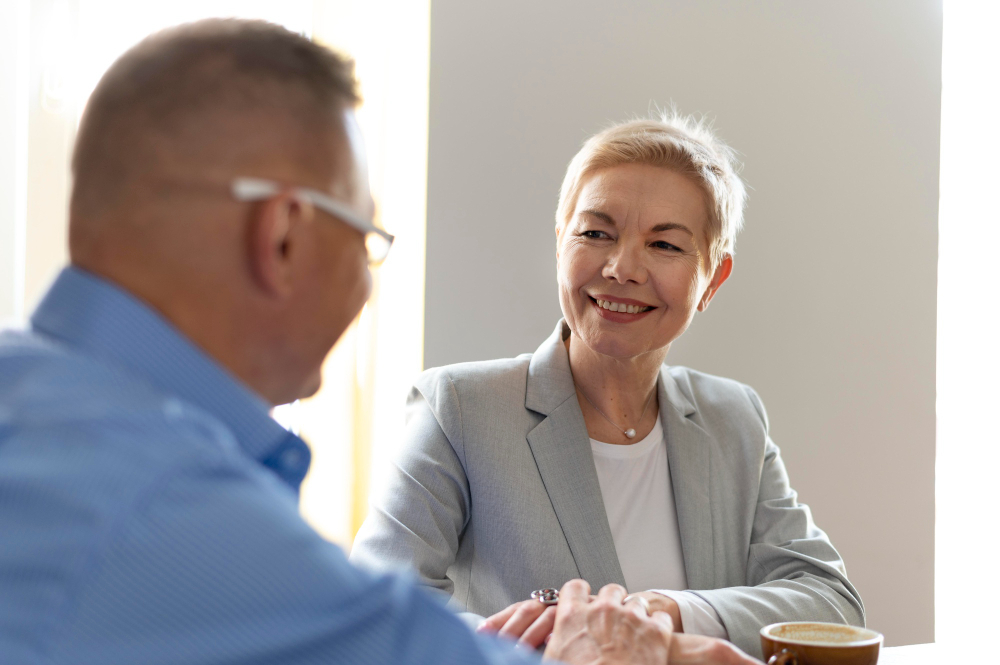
x: 591, y: 458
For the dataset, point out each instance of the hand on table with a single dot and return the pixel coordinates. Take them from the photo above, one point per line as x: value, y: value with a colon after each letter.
x: 530, y: 622
x: 603, y: 631
x: 599, y: 629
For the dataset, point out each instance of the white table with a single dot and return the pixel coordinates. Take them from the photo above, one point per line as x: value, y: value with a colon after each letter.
x: 916, y: 654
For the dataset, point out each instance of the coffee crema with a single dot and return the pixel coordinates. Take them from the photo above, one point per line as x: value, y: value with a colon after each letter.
x: 819, y: 633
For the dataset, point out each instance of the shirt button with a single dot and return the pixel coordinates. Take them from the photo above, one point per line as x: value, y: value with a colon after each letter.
x: 291, y: 459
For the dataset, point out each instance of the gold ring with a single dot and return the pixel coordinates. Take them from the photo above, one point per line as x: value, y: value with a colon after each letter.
x: 642, y: 602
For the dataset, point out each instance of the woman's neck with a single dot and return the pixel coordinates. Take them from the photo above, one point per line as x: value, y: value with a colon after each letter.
x: 615, y: 394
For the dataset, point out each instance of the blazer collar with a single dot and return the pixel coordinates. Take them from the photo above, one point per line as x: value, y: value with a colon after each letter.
x: 560, y: 445
x: 550, y: 380
x: 561, y: 448
x: 689, y: 458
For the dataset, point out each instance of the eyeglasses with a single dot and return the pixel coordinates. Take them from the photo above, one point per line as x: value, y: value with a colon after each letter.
x: 377, y: 241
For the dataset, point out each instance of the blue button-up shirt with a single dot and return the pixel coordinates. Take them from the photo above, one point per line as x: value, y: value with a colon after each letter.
x: 149, y: 512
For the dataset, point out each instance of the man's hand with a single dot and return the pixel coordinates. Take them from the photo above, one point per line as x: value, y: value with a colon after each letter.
x: 602, y: 631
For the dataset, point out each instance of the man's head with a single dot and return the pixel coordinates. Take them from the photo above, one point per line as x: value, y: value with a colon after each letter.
x: 265, y: 287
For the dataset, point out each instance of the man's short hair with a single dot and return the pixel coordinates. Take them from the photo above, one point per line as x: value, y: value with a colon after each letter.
x: 677, y: 142
x: 180, y: 81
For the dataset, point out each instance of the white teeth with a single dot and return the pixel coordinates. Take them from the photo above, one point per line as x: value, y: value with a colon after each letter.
x: 621, y: 307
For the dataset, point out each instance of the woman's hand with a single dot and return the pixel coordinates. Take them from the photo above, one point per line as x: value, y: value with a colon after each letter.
x: 660, y: 603
x: 530, y: 622
x: 699, y: 650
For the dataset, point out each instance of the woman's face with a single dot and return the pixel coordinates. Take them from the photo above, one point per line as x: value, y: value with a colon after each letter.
x: 637, y: 243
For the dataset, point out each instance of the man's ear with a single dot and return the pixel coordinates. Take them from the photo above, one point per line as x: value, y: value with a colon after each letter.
x: 274, y: 233
x: 722, y: 273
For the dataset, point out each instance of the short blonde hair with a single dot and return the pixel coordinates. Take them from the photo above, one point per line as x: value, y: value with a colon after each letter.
x: 676, y: 142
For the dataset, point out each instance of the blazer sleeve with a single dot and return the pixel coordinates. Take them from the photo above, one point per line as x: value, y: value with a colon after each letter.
x: 417, y: 518
x: 793, y: 571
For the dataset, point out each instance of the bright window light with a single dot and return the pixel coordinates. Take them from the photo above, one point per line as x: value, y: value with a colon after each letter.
x: 968, y: 360
x: 107, y: 28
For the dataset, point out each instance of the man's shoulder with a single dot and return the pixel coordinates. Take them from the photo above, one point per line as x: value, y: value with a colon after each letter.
x: 84, y: 447
x: 54, y: 396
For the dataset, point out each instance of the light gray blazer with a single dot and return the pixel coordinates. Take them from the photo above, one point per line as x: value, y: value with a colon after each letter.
x: 495, y: 494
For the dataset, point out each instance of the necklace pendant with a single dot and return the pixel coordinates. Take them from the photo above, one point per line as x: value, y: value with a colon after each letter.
x: 630, y: 433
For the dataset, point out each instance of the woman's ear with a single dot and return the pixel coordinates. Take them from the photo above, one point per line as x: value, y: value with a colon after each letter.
x: 274, y: 234
x: 719, y: 277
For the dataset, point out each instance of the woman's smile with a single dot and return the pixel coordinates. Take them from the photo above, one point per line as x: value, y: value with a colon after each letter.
x: 619, y: 310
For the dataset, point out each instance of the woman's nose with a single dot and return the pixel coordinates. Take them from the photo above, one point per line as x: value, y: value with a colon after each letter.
x: 625, y: 264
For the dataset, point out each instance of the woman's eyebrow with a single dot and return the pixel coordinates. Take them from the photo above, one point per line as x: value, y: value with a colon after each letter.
x: 671, y: 226
x: 665, y: 226
x: 603, y: 216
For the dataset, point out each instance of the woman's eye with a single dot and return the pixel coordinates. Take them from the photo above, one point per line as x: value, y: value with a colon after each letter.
x: 595, y: 235
x: 660, y: 244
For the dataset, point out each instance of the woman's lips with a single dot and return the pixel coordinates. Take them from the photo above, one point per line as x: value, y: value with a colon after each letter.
x: 620, y: 310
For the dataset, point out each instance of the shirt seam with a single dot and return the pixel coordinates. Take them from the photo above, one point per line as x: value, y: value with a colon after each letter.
x: 757, y: 406
x: 465, y: 468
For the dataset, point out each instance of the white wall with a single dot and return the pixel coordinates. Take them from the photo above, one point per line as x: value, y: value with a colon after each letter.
x: 968, y: 359
x: 830, y: 313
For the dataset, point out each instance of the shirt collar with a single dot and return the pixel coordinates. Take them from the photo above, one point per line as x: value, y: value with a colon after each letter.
x: 99, y: 317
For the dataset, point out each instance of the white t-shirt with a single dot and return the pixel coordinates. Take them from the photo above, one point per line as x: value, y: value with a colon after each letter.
x: 639, y: 501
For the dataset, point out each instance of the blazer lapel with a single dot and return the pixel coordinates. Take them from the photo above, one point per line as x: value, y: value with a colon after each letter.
x: 561, y: 448
x: 689, y: 456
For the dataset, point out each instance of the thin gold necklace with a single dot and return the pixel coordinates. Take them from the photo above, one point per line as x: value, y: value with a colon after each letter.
x: 630, y: 432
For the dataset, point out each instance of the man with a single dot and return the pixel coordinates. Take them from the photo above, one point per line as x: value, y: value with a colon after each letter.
x: 148, y: 503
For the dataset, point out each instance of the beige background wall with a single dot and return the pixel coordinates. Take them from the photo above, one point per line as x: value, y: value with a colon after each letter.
x: 830, y: 313
x: 8, y: 158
